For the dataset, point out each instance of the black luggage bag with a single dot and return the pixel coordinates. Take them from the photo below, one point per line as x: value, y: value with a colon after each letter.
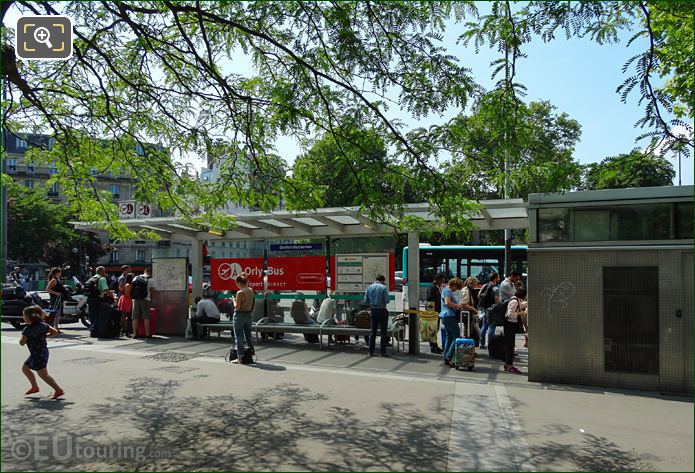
x: 496, y: 347
x: 109, y: 325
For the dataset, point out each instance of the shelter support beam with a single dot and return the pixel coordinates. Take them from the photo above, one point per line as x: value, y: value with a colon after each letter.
x: 413, y: 282
x: 197, y: 268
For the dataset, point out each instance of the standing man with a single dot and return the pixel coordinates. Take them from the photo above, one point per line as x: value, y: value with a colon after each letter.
x: 434, y: 302
x: 141, y: 292
x: 486, y: 299
x: 125, y: 270
x: 508, y: 286
x: 96, y: 288
x: 377, y: 296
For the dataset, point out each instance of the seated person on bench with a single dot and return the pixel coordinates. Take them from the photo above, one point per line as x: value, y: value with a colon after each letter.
x: 207, y: 312
x: 300, y: 312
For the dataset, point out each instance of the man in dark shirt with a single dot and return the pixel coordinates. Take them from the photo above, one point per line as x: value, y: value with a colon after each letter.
x: 434, y: 296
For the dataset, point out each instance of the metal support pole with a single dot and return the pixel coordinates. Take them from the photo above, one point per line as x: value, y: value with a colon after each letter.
x: 197, y: 268
x: 3, y: 197
x: 679, y: 167
x: 413, y: 282
x: 507, y: 232
x: 3, y: 218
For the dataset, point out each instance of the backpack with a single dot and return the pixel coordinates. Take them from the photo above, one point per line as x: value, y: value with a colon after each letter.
x: 498, y: 313
x: 246, y: 359
x: 91, y: 287
x: 114, y: 287
x: 487, y: 296
x: 139, y: 290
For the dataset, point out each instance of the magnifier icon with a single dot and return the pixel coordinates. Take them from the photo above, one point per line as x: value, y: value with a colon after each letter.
x: 42, y: 35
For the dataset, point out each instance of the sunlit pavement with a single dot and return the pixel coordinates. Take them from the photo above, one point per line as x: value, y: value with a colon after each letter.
x: 171, y: 403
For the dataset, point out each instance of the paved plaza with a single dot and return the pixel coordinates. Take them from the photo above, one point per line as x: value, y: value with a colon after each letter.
x: 175, y: 404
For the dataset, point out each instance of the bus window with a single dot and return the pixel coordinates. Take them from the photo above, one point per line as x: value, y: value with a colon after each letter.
x: 481, y: 269
x: 427, y: 268
x: 451, y: 269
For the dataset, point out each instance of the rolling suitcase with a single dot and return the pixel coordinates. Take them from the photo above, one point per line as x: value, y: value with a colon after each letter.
x: 464, y: 353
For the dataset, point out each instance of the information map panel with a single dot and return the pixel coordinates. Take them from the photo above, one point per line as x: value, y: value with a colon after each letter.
x: 170, y: 274
x: 354, y: 273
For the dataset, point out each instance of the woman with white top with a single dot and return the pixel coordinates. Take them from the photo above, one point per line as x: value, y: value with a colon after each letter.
x: 515, y: 310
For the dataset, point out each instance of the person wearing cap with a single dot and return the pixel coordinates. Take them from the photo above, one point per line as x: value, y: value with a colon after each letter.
x: 125, y: 270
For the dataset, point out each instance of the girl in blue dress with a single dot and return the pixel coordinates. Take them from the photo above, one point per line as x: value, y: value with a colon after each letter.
x: 34, y: 337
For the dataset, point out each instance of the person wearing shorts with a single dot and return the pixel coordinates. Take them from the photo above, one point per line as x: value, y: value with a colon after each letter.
x: 141, y: 307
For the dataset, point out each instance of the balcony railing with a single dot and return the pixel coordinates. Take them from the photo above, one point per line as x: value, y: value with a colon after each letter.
x: 43, y: 171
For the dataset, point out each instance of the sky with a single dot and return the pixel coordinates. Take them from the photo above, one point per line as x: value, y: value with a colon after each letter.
x: 578, y: 76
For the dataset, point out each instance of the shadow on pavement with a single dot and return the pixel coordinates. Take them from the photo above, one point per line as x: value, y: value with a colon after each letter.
x: 593, y: 454
x: 283, y: 428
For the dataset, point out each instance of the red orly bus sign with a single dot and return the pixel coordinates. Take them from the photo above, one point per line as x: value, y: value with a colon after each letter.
x: 297, y: 273
x: 224, y: 271
x: 300, y: 273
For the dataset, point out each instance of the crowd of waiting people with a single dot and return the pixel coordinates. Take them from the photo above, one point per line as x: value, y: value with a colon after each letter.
x: 457, y: 297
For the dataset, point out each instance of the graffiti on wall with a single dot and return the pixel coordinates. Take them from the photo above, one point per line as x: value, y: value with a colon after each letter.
x: 556, y: 299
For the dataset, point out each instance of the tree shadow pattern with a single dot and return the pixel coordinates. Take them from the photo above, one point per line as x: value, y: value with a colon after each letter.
x: 267, y: 430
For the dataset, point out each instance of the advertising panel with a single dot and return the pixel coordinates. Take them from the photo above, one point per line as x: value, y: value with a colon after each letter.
x: 223, y: 272
x: 297, y: 273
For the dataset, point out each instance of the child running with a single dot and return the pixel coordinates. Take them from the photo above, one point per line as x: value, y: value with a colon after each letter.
x: 34, y: 336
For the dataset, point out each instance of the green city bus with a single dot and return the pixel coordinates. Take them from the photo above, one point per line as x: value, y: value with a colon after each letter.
x: 464, y: 261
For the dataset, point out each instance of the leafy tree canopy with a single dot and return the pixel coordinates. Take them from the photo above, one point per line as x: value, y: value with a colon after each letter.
x: 634, y: 169
x: 350, y: 165
x: 40, y: 230
x: 165, y: 72
x: 540, y: 157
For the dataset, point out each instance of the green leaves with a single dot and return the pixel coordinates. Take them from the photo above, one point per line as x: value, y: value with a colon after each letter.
x: 634, y: 169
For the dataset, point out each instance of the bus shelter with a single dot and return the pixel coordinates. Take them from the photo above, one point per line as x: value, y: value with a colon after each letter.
x: 315, y: 253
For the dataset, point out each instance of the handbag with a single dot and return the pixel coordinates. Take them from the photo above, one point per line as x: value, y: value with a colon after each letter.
x: 362, y: 319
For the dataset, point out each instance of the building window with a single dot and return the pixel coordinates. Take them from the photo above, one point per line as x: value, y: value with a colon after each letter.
x: 11, y: 165
x: 51, y: 143
x: 53, y: 191
x: 115, y: 190
x: 684, y: 220
x: 20, y: 143
x: 139, y: 150
x: 114, y: 256
x: 631, y: 319
x: 30, y: 168
x: 29, y: 184
x: 609, y: 223
x: 140, y: 256
x: 52, y: 168
x: 93, y: 171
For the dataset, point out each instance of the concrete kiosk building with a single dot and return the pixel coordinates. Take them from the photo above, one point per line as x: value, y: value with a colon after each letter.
x: 611, y: 288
